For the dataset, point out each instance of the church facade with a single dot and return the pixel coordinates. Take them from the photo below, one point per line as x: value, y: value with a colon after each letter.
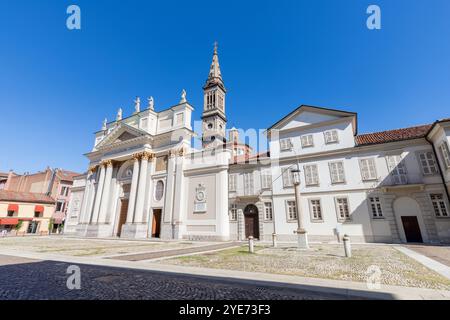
x: 146, y: 179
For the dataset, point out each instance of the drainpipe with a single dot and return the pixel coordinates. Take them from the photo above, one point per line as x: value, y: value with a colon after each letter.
x: 441, y: 172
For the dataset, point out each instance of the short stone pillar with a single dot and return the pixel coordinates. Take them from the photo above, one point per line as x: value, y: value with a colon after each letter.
x: 302, y: 239
x: 274, y: 240
x: 251, y: 248
x: 347, y: 246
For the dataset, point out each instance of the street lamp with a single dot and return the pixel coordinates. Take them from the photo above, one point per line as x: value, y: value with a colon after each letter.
x: 302, y: 235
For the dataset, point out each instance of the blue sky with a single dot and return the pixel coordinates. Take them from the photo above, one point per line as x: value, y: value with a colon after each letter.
x: 57, y: 85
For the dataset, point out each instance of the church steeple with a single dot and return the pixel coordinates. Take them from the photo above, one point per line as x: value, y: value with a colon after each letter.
x: 214, y: 119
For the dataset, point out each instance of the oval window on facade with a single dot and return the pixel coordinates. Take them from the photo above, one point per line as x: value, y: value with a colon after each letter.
x: 159, y: 190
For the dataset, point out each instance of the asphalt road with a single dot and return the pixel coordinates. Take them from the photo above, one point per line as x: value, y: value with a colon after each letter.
x: 22, y: 278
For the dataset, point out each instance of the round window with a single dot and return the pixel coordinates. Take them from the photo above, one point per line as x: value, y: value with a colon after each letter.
x: 159, y: 190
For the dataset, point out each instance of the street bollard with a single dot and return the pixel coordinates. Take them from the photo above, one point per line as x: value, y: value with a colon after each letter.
x: 274, y: 240
x: 347, y: 246
x: 251, y: 248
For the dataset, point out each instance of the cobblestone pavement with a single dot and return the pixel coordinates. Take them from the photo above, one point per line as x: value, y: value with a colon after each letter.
x: 174, y: 252
x: 22, y: 278
x: 435, y: 252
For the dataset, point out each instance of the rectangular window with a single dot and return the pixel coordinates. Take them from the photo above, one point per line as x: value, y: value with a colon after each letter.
x: 248, y: 184
x: 232, y: 182
x: 397, y: 169
x: 10, y: 213
x: 445, y: 153
x: 64, y: 191
x: 233, y: 212
x: 440, y: 209
x: 337, y: 172
x: 268, y: 213
x: 428, y: 163
x: 316, y: 209
x: 307, y: 141
x: 288, y: 179
x: 59, y: 206
x: 291, y: 210
x: 266, y: 179
x: 343, y: 211
x: 375, y: 207
x: 368, y: 169
x: 285, y: 144
x: 311, y: 175
x: 331, y: 136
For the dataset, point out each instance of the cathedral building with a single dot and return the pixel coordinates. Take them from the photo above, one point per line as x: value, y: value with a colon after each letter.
x: 146, y: 180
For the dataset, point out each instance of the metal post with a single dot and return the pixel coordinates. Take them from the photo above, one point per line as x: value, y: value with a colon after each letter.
x: 302, y: 235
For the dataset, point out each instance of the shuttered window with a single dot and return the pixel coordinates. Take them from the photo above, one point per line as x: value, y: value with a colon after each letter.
x: 285, y: 144
x: 232, y: 182
x: 311, y: 175
x: 268, y: 213
x: 368, y: 169
x: 331, y: 136
x: 445, y: 153
x: 307, y: 141
x: 266, y: 179
x: 397, y: 169
x: 288, y: 180
x: 248, y: 183
x: 428, y: 163
x: 337, y: 172
x: 233, y: 212
x: 375, y: 206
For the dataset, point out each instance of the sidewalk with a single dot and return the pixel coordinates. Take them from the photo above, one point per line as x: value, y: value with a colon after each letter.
x: 344, y: 288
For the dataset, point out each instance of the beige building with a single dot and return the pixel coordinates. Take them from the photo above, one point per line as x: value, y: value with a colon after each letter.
x: 25, y: 213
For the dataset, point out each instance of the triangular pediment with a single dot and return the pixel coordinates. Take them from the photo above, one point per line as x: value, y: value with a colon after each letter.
x: 309, y: 115
x: 119, y: 134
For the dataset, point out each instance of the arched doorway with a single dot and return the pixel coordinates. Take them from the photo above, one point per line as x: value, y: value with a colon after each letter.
x: 407, y: 211
x: 251, y: 221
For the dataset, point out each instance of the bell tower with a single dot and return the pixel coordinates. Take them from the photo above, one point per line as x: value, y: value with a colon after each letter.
x: 213, y: 117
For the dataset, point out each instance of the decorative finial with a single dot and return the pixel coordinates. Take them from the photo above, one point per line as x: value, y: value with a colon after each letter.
x: 183, y: 96
x: 151, y: 103
x: 137, y: 105
x: 104, y: 124
x: 215, y: 47
x: 119, y: 114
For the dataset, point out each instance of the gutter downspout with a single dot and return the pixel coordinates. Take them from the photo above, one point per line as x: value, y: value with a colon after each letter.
x: 441, y: 173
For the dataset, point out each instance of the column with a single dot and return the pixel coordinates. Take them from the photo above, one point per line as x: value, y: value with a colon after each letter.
x: 98, y: 195
x: 139, y: 212
x: 106, y: 190
x: 84, y: 215
x: 134, y: 182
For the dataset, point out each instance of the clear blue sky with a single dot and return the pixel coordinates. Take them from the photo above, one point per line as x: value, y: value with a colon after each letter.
x: 56, y: 85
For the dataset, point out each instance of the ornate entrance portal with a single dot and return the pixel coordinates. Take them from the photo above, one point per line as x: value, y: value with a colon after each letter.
x: 251, y: 221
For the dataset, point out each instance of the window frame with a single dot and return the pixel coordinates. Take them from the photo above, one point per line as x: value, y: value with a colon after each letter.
x: 232, y: 187
x: 313, y: 171
x: 287, y: 211
x: 265, y: 211
x: 376, y: 203
x: 361, y: 161
x: 311, y: 210
x: 250, y: 182
x: 441, y: 201
x: 288, y: 144
x: 331, y: 135
x: 266, y: 174
x: 339, y: 218
x: 307, y: 145
x: 287, y: 172
x: 233, y: 212
x: 343, y: 180
x: 399, y: 165
x: 445, y: 154
x: 433, y: 158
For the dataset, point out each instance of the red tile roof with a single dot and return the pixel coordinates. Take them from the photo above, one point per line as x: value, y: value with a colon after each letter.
x: 247, y: 158
x: 67, y: 175
x: 7, y: 195
x: 393, y: 135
